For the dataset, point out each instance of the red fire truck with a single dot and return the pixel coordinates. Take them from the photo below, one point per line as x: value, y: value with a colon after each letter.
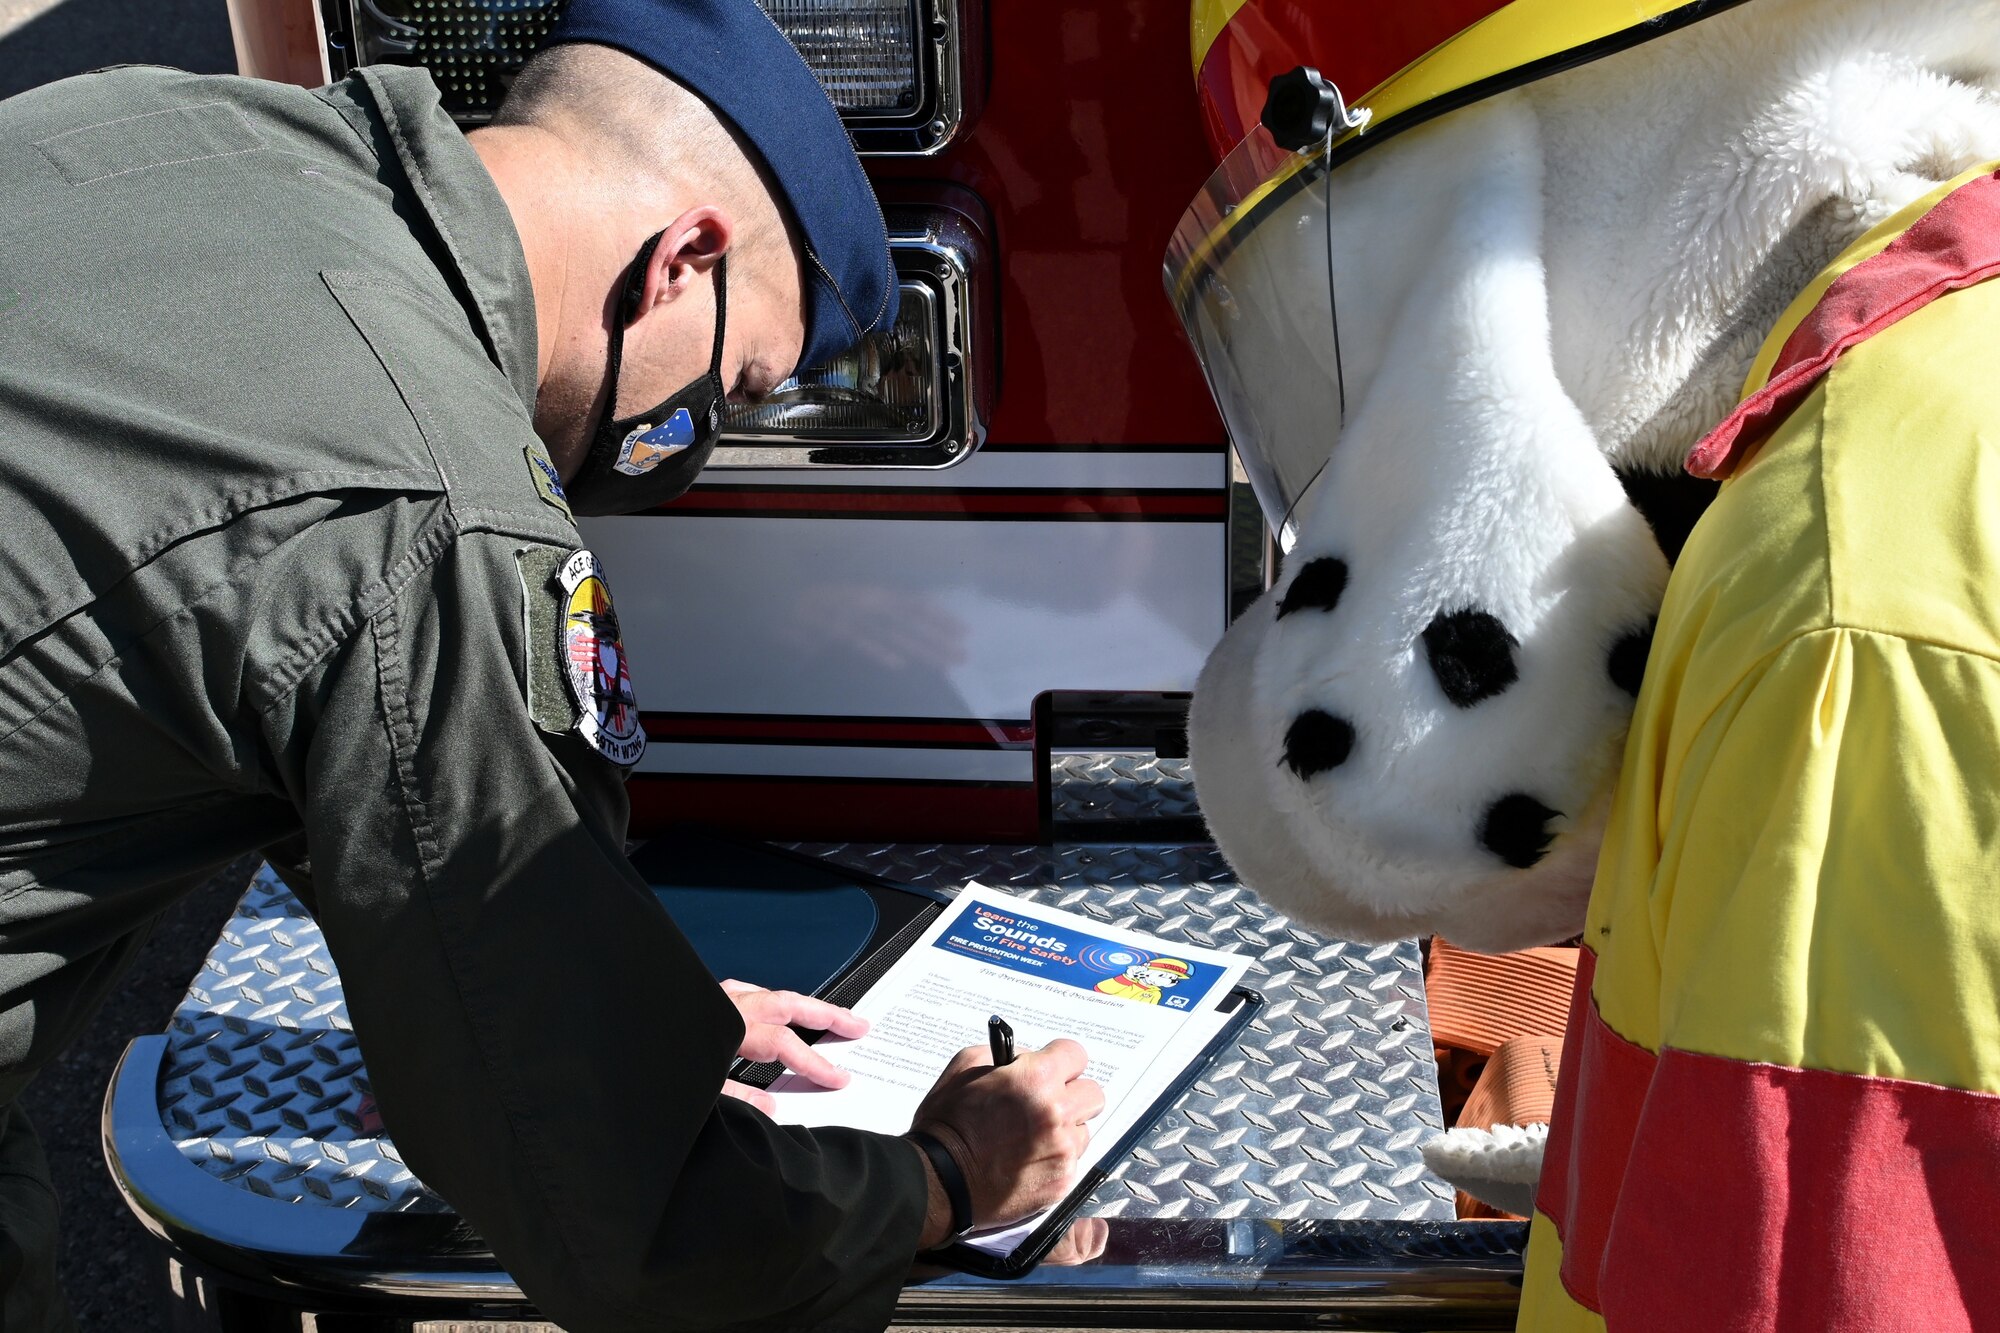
x: 934, y: 616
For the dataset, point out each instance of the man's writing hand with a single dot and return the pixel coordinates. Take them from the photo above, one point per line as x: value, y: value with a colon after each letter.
x: 767, y: 1035
x: 1016, y: 1132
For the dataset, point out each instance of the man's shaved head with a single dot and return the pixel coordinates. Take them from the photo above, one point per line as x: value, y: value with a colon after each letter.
x: 643, y: 131
x: 594, y: 151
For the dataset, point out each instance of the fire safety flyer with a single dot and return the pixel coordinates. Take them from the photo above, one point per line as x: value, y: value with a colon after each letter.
x: 1141, y: 1007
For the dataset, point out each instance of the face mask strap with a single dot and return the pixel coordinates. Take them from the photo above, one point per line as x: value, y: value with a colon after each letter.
x: 629, y: 297
x: 598, y: 487
x: 715, y: 355
x: 628, y: 302
x: 721, y: 316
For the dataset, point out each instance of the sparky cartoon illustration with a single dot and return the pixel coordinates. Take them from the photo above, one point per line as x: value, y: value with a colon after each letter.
x: 597, y: 655
x: 1145, y: 981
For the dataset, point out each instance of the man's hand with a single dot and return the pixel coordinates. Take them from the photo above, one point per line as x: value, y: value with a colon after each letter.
x: 767, y: 1035
x: 1015, y: 1132
x: 1081, y: 1244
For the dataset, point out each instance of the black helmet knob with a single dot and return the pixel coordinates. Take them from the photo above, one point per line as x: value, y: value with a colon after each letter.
x: 1302, y: 108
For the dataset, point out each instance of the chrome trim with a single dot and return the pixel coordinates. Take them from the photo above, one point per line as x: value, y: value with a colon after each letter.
x: 920, y: 292
x: 295, y: 1248
x: 934, y: 246
x: 1256, y: 1273
x: 940, y: 111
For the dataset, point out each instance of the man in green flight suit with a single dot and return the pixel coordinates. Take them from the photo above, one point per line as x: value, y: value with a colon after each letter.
x: 298, y: 391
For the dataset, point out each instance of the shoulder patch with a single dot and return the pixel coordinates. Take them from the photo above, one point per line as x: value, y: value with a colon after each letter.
x: 578, y: 679
x: 548, y: 482
x: 594, y: 666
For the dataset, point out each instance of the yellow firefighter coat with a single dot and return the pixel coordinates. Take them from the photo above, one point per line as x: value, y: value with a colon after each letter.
x: 1777, y: 1107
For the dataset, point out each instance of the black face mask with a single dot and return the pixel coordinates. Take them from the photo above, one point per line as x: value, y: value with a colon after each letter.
x: 641, y: 461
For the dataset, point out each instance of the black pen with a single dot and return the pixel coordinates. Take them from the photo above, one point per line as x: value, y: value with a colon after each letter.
x: 1001, y: 1038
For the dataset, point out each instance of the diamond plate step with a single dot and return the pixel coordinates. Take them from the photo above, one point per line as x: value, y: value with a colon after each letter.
x: 1317, y: 1111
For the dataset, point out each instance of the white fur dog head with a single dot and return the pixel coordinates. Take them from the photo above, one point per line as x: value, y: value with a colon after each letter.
x: 1416, y: 730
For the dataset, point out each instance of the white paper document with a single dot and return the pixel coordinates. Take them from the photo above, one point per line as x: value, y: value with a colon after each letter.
x: 1142, y: 1009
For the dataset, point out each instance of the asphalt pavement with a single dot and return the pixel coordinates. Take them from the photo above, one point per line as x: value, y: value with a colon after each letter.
x: 114, y: 1272
x: 114, y: 1276
x: 41, y: 42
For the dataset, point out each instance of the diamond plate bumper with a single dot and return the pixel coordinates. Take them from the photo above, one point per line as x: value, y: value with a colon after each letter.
x: 1287, y: 1179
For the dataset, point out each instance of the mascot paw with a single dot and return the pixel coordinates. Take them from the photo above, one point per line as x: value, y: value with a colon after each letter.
x: 1498, y: 1166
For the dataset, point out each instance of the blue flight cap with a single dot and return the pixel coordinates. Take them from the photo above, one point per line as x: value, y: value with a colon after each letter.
x: 743, y: 65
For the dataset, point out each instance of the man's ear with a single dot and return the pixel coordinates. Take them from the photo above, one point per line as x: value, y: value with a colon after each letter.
x: 688, y: 249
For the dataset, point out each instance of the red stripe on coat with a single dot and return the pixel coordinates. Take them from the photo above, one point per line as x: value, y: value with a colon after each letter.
x: 1552, y: 1191
x: 1955, y: 245
x: 1600, y: 1092
x: 1697, y: 1192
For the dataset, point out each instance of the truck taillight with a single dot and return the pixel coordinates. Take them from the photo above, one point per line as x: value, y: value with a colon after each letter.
x: 864, y: 51
x: 893, y: 68
x: 909, y: 396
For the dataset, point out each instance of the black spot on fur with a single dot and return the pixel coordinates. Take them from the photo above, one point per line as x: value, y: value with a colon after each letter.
x: 1317, y: 588
x: 1317, y: 741
x: 1627, y: 663
x: 1472, y: 655
x: 1516, y: 829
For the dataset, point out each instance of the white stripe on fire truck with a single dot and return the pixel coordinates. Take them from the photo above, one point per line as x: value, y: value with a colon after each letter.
x: 841, y: 761
x: 1180, y: 470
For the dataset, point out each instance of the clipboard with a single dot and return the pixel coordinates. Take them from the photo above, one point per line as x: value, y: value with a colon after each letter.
x: 1035, y: 1247
x: 687, y: 867
x: 779, y: 920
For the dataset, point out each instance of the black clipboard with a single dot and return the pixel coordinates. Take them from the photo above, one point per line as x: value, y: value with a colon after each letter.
x: 685, y: 857
x: 1023, y: 1258
x: 850, y: 925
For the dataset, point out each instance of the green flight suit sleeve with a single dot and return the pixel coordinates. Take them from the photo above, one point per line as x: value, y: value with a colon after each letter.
x: 545, y: 1047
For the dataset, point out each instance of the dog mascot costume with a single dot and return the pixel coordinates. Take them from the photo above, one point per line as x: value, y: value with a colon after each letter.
x: 1452, y: 329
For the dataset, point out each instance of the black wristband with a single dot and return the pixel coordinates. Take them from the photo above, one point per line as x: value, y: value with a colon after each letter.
x: 950, y: 1177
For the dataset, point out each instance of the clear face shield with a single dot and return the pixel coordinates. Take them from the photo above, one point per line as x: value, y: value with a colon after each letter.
x: 1254, y: 274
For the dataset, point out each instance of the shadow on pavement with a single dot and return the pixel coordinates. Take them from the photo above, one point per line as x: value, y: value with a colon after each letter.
x: 79, y: 35
x: 114, y: 1274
